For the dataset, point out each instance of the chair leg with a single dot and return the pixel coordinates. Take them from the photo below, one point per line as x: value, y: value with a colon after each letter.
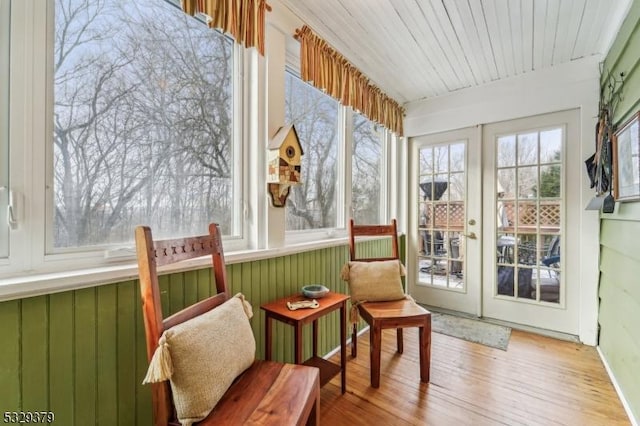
x: 400, y: 340
x: 375, y: 346
x: 354, y: 341
x: 425, y: 350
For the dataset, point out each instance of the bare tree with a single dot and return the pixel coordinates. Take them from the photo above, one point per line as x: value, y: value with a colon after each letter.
x: 315, y: 115
x: 142, y: 121
x: 366, y: 170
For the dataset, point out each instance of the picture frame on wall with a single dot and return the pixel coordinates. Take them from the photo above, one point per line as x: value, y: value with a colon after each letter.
x: 626, y: 160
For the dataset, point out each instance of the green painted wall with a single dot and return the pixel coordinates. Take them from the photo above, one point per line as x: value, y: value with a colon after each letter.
x: 81, y: 354
x: 619, y: 292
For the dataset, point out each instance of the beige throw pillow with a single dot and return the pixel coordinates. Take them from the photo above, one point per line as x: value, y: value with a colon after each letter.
x: 203, y: 356
x: 375, y: 281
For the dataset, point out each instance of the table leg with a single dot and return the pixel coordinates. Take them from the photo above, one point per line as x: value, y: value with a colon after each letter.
x: 343, y: 346
x: 267, y: 337
x: 298, y: 342
x: 315, y: 338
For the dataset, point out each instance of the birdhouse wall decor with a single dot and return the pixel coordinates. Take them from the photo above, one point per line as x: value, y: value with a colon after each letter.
x: 283, y: 168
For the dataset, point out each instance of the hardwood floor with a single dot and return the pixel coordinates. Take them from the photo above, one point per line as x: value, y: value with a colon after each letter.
x: 537, y: 381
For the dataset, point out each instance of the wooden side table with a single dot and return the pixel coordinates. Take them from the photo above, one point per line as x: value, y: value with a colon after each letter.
x: 332, y: 301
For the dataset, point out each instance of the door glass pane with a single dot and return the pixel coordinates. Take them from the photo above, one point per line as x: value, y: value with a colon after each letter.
x: 456, y: 162
x: 4, y: 126
x: 529, y: 222
x: 550, y: 146
x: 441, y: 213
x: 441, y: 159
x: 507, y: 151
x: 527, y: 182
x: 527, y: 149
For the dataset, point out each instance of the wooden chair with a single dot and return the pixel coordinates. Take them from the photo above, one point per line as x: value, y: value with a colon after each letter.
x: 268, y: 392
x: 396, y: 314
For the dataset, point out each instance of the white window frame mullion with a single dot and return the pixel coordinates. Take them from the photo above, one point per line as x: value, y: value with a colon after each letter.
x: 344, y: 191
x: 5, y: 37
x: 385, y: 177
x: 27, y: 103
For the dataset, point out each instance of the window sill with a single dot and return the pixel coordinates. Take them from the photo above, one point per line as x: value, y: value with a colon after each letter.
x: 29, y: 285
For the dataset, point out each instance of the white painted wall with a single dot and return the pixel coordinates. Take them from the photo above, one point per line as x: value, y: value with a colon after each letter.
x: 568, y: 86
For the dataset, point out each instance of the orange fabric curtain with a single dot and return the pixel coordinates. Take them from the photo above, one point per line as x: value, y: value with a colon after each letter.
x: 242, y: 19
x: 328, y: 70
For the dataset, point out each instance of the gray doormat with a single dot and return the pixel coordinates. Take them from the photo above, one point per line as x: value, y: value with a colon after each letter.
x: 472, y: 330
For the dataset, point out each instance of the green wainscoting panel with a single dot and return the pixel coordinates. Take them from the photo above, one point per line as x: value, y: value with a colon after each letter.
x: 35, y: 348
x: 61, y: 356
x: 128, y: 322
x: 10, y: 365
x: 85, y: 356
x: 619, y: 292
x: 82, y: 353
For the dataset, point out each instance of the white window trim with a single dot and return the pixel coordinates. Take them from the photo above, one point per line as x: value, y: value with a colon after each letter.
x: 36, y: 284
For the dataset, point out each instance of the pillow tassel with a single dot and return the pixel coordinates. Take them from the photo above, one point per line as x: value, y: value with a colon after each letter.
x: 353, y: 313
x: 403, y: 270
x: 344, y: 273
x: 160, y: 367
x: 248, y: 309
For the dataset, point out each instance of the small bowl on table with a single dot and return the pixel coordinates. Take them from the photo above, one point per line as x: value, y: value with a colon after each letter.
x: 314, y: 291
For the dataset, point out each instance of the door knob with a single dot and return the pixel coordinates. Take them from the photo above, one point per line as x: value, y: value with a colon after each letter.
x: 471, y: 236
x: 472, y: 222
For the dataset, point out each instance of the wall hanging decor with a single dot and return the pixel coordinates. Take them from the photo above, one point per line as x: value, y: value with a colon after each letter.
x: 599, y: 165
x: 283, y: 167
x: 626, y: 160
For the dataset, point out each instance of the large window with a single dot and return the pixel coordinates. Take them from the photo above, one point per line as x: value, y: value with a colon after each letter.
x: 4, y: 126
x: 143, y: 124
x: 315, y: 115
x: 366, y: 170
x: 126, y: 113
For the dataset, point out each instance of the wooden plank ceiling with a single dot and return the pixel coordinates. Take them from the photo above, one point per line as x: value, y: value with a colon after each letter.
x: 417, y: 49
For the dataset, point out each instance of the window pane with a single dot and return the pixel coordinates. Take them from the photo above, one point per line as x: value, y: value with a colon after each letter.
x: 366, y: 169
x: 528, y: 148
x: 550, y: 146
x: 312, y: 204
x: 507, y: 151
x: 4, y: 126
x: 143, y: 123
x: 441, y: 158
x: 550, y: 180
x: 527, y: 182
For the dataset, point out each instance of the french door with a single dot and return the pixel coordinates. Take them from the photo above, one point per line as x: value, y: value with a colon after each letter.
x: 530, y: 272
x: 493, y: 224
x: 445, y: 217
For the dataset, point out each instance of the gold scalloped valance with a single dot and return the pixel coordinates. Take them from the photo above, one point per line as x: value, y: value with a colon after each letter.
x: 242, y: 19
x: 328, y: 70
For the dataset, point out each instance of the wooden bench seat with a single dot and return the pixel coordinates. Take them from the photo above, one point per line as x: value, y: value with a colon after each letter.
x: 270, y: 393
